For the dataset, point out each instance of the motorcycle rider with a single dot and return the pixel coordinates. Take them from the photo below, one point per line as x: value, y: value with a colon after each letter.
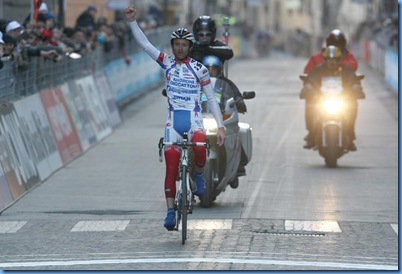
x: 185, y: 78
x: 335, y: 38
x: 334, y: 67
x: 215, y: 67
x: 204, y: 29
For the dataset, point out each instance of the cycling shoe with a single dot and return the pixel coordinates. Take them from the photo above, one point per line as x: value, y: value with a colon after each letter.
x: 200, y: 182
x: 170, y: 220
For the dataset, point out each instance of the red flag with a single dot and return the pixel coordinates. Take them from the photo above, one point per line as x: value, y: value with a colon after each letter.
x: 37, y: 4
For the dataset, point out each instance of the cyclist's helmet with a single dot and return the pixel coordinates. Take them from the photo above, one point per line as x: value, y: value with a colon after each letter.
x: 211, y: 61
x: 205, y: 22
x: 332, y: 52
x: 336, y: 38
x: 182, y: 33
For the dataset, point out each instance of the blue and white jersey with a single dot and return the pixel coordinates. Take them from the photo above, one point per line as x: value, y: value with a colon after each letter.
x: 185, y: 80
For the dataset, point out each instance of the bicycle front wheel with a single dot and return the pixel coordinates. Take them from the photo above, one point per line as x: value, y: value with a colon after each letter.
x: 184, y: 204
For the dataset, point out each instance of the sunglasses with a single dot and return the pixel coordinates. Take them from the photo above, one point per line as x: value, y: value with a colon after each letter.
x: 201, y: 34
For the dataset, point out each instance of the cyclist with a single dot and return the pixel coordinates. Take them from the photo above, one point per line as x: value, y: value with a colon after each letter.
x: 185, y: 78
x: 204, y: 29
x: 335, y: 38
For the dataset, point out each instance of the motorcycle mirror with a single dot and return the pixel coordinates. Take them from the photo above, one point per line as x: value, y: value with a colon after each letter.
x: 360, y: 76
x: 303, y: 77
x: 248, y: 94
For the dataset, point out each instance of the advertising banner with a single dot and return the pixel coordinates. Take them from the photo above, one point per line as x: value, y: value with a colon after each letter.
x: 107, y: 98
x: 38, y: 135
x: 98, y: 116
x: 20, y: 169
x: 61, y: 124
x: 391, y: 70
x: 129, y: 80
x: 5, y: 194
x: 77, y: 105
x: 8, y: 176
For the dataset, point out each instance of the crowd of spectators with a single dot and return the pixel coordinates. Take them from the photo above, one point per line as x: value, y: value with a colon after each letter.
x: 42, y: 37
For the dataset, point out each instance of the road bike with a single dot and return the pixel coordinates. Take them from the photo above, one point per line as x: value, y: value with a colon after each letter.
x: 185, y: 200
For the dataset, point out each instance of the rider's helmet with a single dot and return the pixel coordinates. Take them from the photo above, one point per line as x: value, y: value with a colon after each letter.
x: 336, y: 38
x: 182, y: 33
x: 332, y: 52
x: 211, y: 61
x: 205, y: 22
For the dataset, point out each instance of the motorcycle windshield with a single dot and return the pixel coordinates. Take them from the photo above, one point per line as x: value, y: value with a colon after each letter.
x: 222, y: 92
x: 331, y: 85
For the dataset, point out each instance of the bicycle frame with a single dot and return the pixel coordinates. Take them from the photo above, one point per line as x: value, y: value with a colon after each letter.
x: 184, y: 200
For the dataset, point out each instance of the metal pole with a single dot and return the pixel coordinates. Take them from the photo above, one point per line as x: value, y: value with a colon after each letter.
x: 226, y: 24
x: 61, y: 16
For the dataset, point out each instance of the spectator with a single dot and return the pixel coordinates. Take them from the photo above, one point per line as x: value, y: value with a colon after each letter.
x: 82, y: 45
x: 86, y: 20
x: 36, y: 47
x: 10, y: 44
x: 14, y: 29
x: 47, y: 33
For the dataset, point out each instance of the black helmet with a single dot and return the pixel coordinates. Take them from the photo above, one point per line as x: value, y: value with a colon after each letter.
x: 205, y: 22
x: 336, y: 38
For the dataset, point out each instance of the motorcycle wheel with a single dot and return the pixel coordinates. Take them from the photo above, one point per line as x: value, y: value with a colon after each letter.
x: 209, y: 174
x: 331, y: 157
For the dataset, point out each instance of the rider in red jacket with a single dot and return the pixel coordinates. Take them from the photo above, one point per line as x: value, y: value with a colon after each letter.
x: 335, y: 38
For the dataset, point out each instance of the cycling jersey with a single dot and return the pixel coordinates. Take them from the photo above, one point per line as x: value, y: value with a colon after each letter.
x: 184, y: 81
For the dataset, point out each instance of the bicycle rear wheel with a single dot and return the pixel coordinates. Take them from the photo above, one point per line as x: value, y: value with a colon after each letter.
x: 184, y: 204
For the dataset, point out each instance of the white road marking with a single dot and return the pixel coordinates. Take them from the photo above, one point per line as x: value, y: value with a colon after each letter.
x: 11, y: 226
x: 319, y: 226
x: 209, y: 224
x: 118, y: 225
x: 202, y: 260
x: 395, y: 228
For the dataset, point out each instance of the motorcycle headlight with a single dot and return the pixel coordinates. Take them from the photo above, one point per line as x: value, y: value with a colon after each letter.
x: 210, y: 125
x: 332, y: 105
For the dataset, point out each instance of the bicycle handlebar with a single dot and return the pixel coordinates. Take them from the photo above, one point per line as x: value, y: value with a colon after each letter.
x: 184, y: 144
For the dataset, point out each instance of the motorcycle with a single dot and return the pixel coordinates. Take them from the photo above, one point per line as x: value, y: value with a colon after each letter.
x: 331, y: 117
x: 222, y: 165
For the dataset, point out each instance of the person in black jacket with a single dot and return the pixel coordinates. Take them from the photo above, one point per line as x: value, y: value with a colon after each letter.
x: 86, y: 20
x: 204, y: 29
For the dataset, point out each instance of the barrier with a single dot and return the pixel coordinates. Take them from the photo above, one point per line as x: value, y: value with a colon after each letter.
x: 391, y: 70
x: 43, y: 132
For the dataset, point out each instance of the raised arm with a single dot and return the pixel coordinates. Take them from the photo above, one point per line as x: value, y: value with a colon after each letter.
x: 139, y: 35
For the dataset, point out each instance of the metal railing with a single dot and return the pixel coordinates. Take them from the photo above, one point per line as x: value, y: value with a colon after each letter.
x: 41, y: 74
